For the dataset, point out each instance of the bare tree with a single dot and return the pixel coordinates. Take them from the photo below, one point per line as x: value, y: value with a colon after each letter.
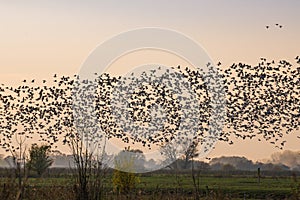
x: 85, y: 139
x: 190, y: 152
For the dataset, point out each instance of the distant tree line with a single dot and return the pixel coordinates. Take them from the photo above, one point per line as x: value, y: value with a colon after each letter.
x: 224, y: 163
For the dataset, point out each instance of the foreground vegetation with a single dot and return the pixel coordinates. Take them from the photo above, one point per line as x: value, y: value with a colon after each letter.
x: 166, y: 185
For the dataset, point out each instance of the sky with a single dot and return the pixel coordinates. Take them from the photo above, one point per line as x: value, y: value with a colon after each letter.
x: 40, y: 38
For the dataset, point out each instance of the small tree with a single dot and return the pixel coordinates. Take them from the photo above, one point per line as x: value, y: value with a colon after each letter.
x: 124, y: 179
x: 39, y: 160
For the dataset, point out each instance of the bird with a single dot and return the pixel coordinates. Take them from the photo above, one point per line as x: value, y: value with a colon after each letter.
x: 297, y: 59
x: 258, y: 99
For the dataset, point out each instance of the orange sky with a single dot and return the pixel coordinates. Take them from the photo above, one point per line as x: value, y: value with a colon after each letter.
x: 39, y: 38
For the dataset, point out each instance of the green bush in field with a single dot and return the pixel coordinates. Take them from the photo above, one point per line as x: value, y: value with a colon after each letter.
x: 124, y: 180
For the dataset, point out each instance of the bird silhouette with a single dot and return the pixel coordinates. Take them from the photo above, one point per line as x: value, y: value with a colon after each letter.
x: 157, y: 106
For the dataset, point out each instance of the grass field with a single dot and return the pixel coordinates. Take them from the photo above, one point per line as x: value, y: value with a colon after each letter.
x: 230, y: 186
x: 170, y: 186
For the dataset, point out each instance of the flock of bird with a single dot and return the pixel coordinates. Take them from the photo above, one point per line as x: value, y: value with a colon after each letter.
x: 263, y: 100
x: 156, y: 106
x: 276, y: 25
x: 30, y: 113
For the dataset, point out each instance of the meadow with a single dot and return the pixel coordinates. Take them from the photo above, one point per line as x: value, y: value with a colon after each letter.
x: 167, y: 185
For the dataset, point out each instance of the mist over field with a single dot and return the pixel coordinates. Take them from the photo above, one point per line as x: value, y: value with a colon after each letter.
x: 280, y: 161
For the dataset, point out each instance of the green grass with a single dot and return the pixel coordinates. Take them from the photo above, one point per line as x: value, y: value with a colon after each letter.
x: 167, y: 181
x: 238, y: 186
x: 185, y: 182
x: 235, y: 187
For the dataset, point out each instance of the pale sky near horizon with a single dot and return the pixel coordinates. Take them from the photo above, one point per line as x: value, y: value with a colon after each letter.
x: 40, y: 38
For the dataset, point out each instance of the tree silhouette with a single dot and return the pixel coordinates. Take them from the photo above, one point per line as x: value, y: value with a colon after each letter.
x: 39, y: 160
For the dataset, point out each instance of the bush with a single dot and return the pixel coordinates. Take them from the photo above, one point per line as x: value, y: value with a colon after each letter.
x: 124, y: 180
